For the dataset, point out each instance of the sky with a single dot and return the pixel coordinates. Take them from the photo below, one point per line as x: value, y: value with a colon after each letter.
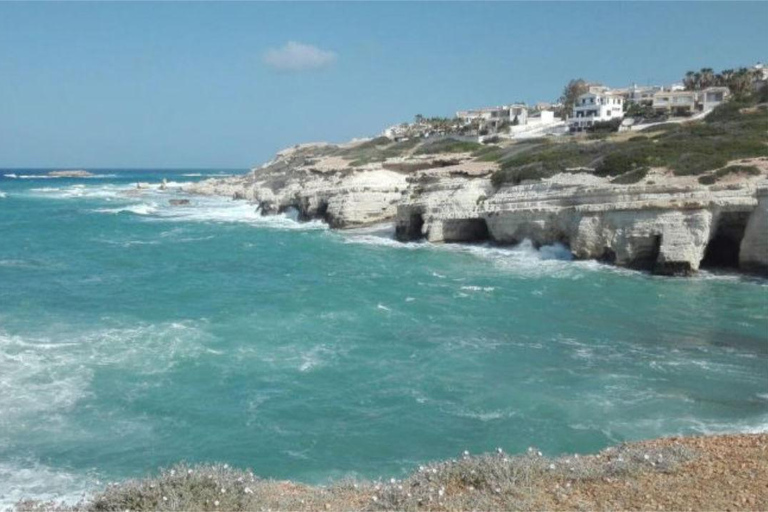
x: 226, y: 85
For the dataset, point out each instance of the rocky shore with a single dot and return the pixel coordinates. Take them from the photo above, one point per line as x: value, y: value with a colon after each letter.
x: 659, y: 219
x: 727, y: 472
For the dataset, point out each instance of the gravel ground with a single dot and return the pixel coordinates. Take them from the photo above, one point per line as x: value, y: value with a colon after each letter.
x: 727, y: 472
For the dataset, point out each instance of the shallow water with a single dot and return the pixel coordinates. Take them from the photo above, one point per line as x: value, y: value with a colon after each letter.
x: 134, y: 334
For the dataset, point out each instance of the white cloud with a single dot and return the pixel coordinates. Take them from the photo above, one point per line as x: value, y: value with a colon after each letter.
x: 295, y: 56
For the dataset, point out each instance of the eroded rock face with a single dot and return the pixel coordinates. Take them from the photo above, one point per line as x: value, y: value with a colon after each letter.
x: 666, y: 229
x: 316, y: 188
x: 753, y: 254
x: 668, y: 225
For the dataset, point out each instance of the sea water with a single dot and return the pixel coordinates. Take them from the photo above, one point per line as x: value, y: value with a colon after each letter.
x: 135, y: 334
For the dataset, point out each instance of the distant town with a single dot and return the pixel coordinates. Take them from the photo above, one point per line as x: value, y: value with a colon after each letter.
x: 592, y: 107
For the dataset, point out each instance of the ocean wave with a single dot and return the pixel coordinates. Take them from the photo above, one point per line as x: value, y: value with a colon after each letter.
x: 3, y: 195
x: 138, y: 209
x: 81, y: 191
x: 11, y: 175
x: 52, y: 372
x: 23, y: 479
x: 226, y: 211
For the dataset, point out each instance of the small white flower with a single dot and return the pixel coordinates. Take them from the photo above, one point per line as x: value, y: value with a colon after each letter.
x: 189, y: 471
x: 247, y: 490
x: 216, y: 503
x: 223, y: 491
x: 466, y: 453
x: 539, y: 454
x: 499, y: 451
x: 646, y: 456
x: 165, y: 498
x: 374, y: 498
x: 551, y: 466
x: 440, y: 492
x: 392, y: 480
x: 173, y: 472
x: 226, y: 466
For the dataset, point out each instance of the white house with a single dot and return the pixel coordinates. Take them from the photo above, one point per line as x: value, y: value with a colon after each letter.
x: 675, y: 102
x: 711, y: 97
x: 598, y: 105
x: 518, y: 114
x: 641, y: 95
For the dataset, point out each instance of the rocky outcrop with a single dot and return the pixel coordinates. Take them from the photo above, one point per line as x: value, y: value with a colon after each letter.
x: 753, y: 254
x: 667, y: 224
x: 670, y: 229
x: 317, y: 187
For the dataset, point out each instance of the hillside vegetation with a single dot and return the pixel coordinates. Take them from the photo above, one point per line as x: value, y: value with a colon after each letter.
x: 734, y: 130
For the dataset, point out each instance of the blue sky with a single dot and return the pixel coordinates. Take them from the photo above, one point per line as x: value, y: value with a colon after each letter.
x: 228, y: 84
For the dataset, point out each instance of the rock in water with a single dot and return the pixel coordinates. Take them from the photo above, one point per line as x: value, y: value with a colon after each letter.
x: 178, y: 202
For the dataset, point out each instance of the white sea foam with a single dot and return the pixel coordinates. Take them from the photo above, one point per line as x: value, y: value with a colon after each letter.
x: 225, y: 211
x: 3, y: 195
x: 24, y: 479
x: 11, y: 175
x: 138, y: 209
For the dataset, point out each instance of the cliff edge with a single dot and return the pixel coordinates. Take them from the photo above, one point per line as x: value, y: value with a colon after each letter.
x: 671, y: 200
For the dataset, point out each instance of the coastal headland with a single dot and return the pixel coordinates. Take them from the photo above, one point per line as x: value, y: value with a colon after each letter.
x: 670, y: 199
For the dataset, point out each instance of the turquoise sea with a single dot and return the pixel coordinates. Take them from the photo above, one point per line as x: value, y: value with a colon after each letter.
x: 135, y: 334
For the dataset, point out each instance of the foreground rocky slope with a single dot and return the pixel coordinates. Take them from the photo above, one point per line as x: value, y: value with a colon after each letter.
x: 669, y: 201
x: 697, y: 473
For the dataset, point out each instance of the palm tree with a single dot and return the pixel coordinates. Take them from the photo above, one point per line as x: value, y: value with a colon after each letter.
x: 689, y: 81
x: 707, y: 78
x: 724, y: 77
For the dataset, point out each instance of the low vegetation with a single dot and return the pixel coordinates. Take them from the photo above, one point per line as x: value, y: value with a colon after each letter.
x: 747, y: 170
x: 733, y: 131
x: 377, y: 150
x: 486, y: 482
x: 448, y: 145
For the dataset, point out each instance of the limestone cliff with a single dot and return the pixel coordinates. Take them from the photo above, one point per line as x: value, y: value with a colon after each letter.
x: 665, y: 223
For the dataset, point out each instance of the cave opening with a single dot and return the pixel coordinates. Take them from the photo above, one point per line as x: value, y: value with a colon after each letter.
x: 465, y: 230
x: 723, y: 248
x: 411, y: 229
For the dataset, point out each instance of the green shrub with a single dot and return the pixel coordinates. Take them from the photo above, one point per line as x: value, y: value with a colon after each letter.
x: 448, y: 146
x: 696, y: 163
x: 515, y: 175
x: 707, y: 179
x: 605, y: 126
x: 630, y: 177
x: 615, y: 164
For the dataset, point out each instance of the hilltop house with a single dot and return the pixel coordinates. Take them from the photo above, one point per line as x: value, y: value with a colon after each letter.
x: 675, y: 102
x: 711, y: 97
x: 640, y: 95
x: 600, y: 104
x: 518, y: 114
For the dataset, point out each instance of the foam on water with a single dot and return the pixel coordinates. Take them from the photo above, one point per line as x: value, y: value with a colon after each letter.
x: 22, y: 479
x: 138, y: 209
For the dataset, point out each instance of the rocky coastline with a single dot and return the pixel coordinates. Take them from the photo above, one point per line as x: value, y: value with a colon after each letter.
x: 664, y: 223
